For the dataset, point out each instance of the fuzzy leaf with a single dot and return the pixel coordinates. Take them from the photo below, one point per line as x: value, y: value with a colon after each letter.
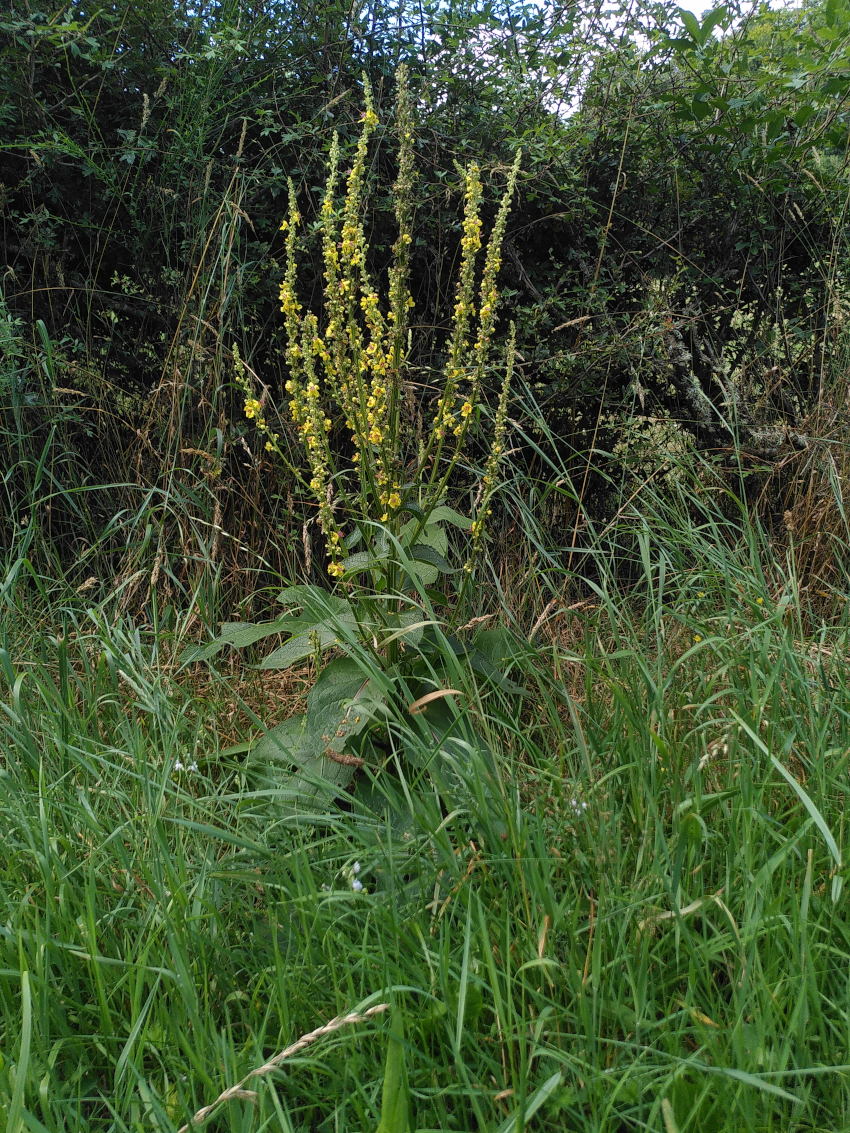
x: 200, y: 652
x: 297, y: 648
x: 315, y: 602
x: 242, y: 634
x: 443, y: 514
x: 422, y: 553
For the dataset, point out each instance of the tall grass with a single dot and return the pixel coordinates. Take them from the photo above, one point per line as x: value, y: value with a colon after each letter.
x: 633, y: 919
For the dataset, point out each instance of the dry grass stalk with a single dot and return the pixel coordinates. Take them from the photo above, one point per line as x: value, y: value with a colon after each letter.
x: 239, y: 1091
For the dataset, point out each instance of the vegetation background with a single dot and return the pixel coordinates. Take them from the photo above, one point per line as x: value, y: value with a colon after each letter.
x: 604, y: 891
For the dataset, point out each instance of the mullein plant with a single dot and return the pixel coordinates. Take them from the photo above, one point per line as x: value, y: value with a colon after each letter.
x: 351, y: 366
x: 391, y: 490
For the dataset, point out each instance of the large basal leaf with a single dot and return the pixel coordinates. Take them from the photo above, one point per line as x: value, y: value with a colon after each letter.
x: 295, y: 766
x: 479, y: 664
x: 499, y: 646
x: 443, y: 727
x: 287, y: 743
x: 476, y: 658
x: 341, y: 705
x: 200, y: 652
x: 242, y: 634
x: 321, y: 637
x: 315, y: 602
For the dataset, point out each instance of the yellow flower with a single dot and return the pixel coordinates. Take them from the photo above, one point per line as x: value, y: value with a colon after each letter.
x: 395, y: 500
x: 697, y: 638
x: 759, y: 601
x: 375, y: 435
x: 284, y: 224
x: 269, y: 446
x: 407, y: 238
x: 384, y: 518
x: 465, y: 409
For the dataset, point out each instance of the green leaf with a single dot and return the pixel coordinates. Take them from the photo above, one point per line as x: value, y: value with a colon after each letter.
x: 242, y: 634
x: 710, y: 21
x: 316, y: 602
x: 518, y: 1119
x: 422, y: 553
x: 395, y: 1094
x: 432, y: 536
x: 239, y: 635
x: 811, y: 808
x: 437, y: 597
x: 297, y: 648
x: 14, y: 1120
x: 287, y: 742
x: 341, y: 704
x: 200, y: 652
x: 408, y: 626
x: 480, y: 664
x: 363, y: 560
x: 443, y: 514
x: 756, y: 1082
x: 498, y: 645
x: 691, y: 24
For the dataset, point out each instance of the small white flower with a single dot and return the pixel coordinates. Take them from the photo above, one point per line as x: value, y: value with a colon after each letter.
x: 326, y: 888
x: 178, y: 766
x: 355, y: 869
x: 193, y: 766
x: 356, y: 885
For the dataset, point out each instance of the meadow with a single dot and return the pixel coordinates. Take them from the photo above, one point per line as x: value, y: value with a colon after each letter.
x: 612, y: 901
x: 424, y: 569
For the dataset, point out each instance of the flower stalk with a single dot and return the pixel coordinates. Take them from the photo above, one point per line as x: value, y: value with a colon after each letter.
x: 350, y: 367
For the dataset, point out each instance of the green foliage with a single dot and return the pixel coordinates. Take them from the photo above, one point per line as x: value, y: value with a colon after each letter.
x: 636, y: 922
x: 396, y: 1114
x: 592, y: 853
